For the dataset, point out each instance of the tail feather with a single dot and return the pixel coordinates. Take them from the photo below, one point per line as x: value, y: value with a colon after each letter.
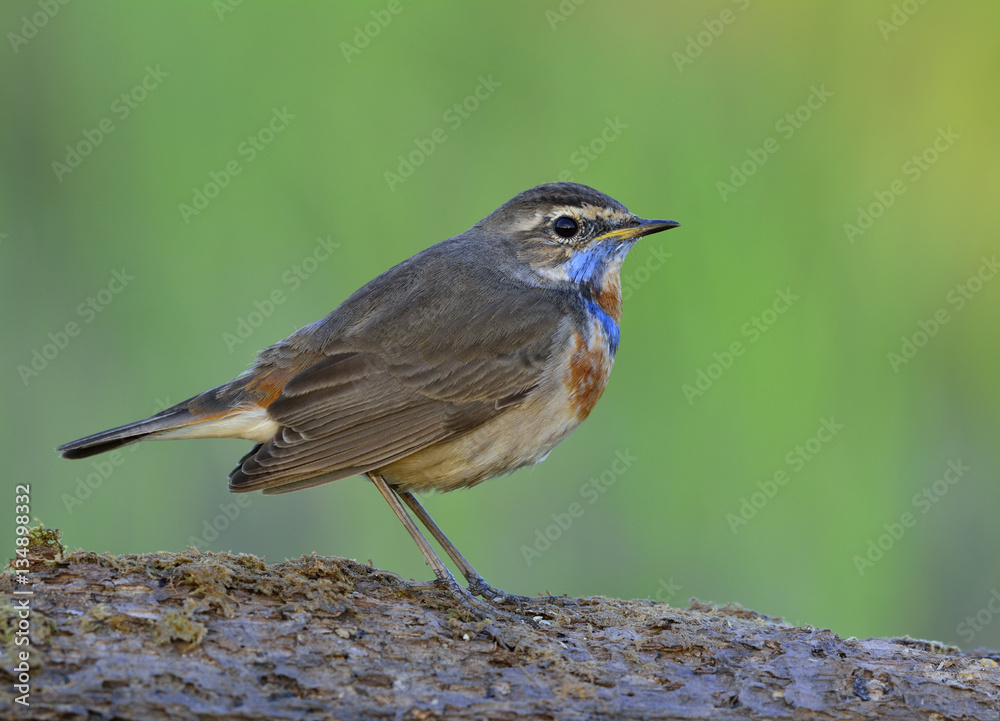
x: 176, y: 417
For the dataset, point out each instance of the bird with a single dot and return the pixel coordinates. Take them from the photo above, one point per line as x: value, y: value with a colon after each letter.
x: 471, y: 359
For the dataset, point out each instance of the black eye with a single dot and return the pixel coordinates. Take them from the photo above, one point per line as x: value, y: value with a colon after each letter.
x: 565, y: 227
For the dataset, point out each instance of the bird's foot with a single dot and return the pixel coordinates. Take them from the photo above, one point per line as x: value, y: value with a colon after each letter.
x: 479, y: 608
x: 493, y: 595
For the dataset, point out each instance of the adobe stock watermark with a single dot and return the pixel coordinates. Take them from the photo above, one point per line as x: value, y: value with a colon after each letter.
x: 103, y: 467
x: 923, y: 501
x: 900, y: 15
x: 700, y: 42
x: 31, y: 24
x: 754, y: 329
x: 364, y: 34
x: 291, y: 280
x: 635, y: 279
x: 454, y: 117
x: 590, y: 491
x: 562, y: 12
x: 212, y: 528
x: 956, y: 298
x: 224, y: 7
x: 88, y: 310
x: 667, y: 590
x: 786, y: 127
x: 248, y: 150
x: 912, y: 170
x: 584, y: 155
x: 121, y: 108
x: 795, y: 460
x: 975, y: 624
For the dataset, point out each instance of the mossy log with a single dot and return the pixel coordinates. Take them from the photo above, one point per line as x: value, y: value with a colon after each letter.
x: 219, y: 636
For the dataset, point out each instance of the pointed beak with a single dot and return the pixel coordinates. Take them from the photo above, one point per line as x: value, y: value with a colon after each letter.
x: 648, y: 227
x: 640, y: 228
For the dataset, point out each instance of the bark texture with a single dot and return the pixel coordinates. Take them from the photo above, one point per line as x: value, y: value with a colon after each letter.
x: 218, y: 636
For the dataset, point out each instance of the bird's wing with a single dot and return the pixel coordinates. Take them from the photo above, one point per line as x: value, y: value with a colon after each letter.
x: 416, y: 372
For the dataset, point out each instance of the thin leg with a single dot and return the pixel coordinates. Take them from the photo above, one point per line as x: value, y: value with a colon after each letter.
x: 441, y: 571
x: 477, y: 584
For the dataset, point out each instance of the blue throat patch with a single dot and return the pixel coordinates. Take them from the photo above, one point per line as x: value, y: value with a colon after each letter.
x: 611, y: 328
x: 587, y: 270
x: 587, y: 267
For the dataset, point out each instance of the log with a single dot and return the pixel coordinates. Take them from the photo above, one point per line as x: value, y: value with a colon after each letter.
x: 198, y: 635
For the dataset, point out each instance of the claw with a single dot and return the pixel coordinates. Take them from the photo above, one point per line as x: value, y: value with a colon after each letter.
x: 480, y: 608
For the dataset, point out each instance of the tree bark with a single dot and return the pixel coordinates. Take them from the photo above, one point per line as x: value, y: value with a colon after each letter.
x: 213, y: 635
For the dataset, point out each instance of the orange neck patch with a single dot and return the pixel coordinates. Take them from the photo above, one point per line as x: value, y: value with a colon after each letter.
x: 609, y: 296
x: 589, y: 369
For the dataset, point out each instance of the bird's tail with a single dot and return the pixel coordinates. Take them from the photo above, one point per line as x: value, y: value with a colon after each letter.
x: 170, y: 419
x: 224, y: 412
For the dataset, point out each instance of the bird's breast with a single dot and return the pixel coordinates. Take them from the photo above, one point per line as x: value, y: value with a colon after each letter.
x: 523, y: 434
x: 608, y: 295
x: 589, y: 359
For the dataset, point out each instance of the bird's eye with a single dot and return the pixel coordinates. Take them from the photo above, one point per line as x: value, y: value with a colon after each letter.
x: 566, y: 227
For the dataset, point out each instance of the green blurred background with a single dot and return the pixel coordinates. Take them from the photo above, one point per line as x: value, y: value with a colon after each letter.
x: 823, y: 105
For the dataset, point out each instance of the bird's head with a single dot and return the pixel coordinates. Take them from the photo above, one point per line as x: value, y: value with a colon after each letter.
x: 571, y: 234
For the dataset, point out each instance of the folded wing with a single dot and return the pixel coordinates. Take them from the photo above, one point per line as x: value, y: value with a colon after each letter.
x: 390, y: 384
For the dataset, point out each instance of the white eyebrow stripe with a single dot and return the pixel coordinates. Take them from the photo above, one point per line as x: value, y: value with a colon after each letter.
x: 588, y: 212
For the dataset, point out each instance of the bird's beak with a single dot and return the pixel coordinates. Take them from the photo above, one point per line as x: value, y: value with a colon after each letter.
x: 642, y: 227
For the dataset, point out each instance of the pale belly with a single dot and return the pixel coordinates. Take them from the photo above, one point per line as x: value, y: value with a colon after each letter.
x: 520, y: 436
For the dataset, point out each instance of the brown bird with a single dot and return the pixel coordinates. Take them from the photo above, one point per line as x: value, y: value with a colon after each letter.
x: 471, y: 359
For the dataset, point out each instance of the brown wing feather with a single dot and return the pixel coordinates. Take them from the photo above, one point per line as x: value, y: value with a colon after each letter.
x: 388, y: 421
x: 375, y: 386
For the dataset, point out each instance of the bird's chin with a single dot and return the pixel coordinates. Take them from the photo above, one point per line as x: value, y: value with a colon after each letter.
x: 622, y: 247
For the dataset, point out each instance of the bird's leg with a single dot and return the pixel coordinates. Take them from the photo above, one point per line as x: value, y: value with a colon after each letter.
x: 441, y: 571
x: 477, y: 584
